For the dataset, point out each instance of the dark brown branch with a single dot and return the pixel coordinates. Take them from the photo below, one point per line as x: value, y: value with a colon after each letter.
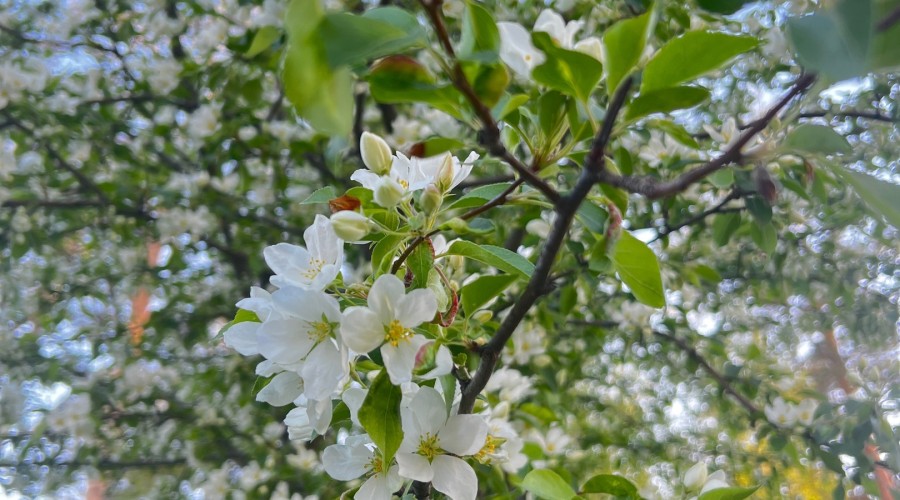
x: 653, y: 188
x: 712, y: 372
x: 719, y: 208
x: 849, y: 114
x: 490, y: 130
x: 63, y: 204
x: 889, y: 21
x: 537, y: 285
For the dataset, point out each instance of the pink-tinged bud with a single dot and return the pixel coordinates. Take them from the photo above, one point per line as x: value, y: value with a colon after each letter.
x: 445, y: 173
x: 350, y: 226
x: 765, y: 186
x: 375, y: 152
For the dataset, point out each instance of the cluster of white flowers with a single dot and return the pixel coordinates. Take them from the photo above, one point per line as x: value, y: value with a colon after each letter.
x: 312, y: 331
x: 785, y: 414
x: 520, y: 54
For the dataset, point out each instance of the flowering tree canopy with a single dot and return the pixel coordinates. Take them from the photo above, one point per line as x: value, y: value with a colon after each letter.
x: 450, y: 249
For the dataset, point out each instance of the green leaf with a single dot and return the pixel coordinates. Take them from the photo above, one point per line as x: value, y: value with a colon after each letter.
x: 401, y: 79
x: 480, y: 37
x: 882, y: 197
x: 480, y: 195
x: 489, y: 82
x: 624, y: 42
x: 691, y: 55
x: 262, y: 40
x: 611, y: 484
x: 482, y: 290
x: 383, y: 253
x: 508, y: 104
x: 665, y: 100
x: 321, y: 96
x: 883, y: 50
x: 352, y: 40
x: 321, y: 195
x: 722, y: 6
x: 499, y: 257
x: 592, y: 216
x: 546, y: 484
x: 639, y: 269
x: 809, y: 138
x: 765, y: 236
x: 302, y: 17
x: 724, y: 225
x: 730, y: 493
x: 420, y: 261
x: 380, y: 415
x: 567, y: 71
x: 835, y: 42
x: 241, y: 316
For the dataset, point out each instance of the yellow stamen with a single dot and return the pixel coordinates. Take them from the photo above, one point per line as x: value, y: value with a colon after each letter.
x: 490, y: 446
x: 429, y: 446
x: 395, y: 332
x: 315, y: 266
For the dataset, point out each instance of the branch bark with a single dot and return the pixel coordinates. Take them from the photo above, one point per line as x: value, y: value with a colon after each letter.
x: 653, y: 188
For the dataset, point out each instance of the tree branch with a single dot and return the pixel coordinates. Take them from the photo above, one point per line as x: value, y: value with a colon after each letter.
x: 490, y: 130
x: 653, y: 188
x: 712, y: 372
x: 537, y: 285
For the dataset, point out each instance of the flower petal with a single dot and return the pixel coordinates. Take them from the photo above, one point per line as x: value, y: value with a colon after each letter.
x: 344, y: 462
x: 415, y: 467
x: 323, y: 371
x: 428, y: 412
x: 454, y: 478
x: 281, y: 390
x: 308, y: 305
x: 464, y: 434
x: 400, y: 360
x: 361, y: 330
x: 287, y: 261
x: 242, y: 337
x: 383, y: 297
x: 416, y: 307
x: 285, y: 340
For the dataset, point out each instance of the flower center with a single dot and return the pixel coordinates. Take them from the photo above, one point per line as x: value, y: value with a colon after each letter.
x: 320, y: 330
x: 395, y: 332
x: 404, y: 183
x: 375, y: 466
x: 429, y: 446
x: 315, y: 266
x: 490, y: 446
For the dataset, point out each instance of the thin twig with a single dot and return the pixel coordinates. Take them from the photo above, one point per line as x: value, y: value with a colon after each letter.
x: 653, y: 188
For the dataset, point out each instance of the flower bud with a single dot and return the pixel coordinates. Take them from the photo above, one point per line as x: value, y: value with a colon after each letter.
x: 431, y: 199
x: 350, y: 226
x: 445, y: 174
x: 483, y: 316
x: 695, y: 477
x: 375, y: 152
x: 388, y: 192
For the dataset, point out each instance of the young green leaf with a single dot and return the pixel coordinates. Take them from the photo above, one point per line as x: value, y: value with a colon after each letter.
x: 499, y: 257
x: 262, y: 40
x: 665, y: 100
x: 480, y: 291
x: 380, y: 415
x: 882, y: 197
x: 321, y: 195
x: 480, y: 36
x: 691, y: 55
x: 546, y: 484
x: 730, y: 493
x: 808, y: 138
x: 420, y: 262
x: 611, y: 484
x: 639, y: 269
x: 624, y: 42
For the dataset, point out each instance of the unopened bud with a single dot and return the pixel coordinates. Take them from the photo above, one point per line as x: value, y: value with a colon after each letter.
x: 375, y: 152
x: 388, y: 192
x: 765, y: 186
x: 695, y: 477
x: 431, y: 199
x: 350, y: 226
x: 483, y: 316
x: 445, y: 173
